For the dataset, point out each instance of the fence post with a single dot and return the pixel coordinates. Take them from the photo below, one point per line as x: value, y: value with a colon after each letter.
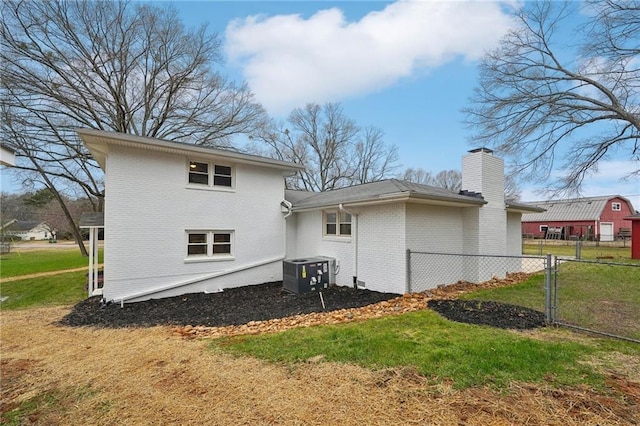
x: 540, y: 247
x: 408, y: 264
x: 547, y: 291
x: 578, y: 249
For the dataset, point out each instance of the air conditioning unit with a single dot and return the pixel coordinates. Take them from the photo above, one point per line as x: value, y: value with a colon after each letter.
x: 334, y: 267
x: 305, y: 275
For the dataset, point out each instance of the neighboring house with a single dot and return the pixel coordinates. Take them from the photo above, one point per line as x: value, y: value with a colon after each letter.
x: 591, y: 218
x: 7, y: 155
x: 182, y: 218
x: 28, y: 230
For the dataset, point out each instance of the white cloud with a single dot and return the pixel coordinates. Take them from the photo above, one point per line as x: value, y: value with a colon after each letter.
x: 289, y: 61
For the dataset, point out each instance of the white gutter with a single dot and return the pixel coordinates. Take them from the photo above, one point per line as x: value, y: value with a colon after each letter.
x: 202, y: 278
x: 287, y: 205
x: 355, y: 243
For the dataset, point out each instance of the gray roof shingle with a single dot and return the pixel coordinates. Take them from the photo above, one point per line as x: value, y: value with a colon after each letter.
x: 384, y: 190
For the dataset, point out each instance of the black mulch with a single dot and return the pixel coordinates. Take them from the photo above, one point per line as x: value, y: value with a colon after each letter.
x: 483, y: 312
x: 237, y: 306
x: 234, y: 306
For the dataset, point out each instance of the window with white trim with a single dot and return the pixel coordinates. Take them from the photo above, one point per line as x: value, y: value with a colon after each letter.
x: 210, y: 174
x: 209, y: 244
x: 337, y: 223
x: 616, y: 207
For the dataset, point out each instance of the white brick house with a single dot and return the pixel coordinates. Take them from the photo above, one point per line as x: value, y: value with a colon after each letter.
x: 181, y: 218
x: 382, y: 220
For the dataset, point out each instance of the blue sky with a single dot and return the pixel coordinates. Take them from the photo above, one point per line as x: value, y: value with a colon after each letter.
x: 405, y: 67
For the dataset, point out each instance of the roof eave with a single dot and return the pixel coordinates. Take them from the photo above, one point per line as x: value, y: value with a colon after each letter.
x: 395, y: 198
x: 98, y: 142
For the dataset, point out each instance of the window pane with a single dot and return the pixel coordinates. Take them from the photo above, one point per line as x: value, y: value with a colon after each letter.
x: 198, y: 167
x: 222, y: 170
x: 222, y: 180
x: 331, y: 229
x: 221, y: 238
x: 222, y: 249
x: 196, y: 250
x: 345, y: 229
x: 197, y: 178
x: 331, y: 218
x: 345, y: 218
x: 197, y: 238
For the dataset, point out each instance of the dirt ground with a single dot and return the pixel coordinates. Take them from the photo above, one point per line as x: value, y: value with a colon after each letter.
x: 131, y: 376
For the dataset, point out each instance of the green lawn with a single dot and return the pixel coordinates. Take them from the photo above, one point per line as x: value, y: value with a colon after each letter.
x: 61, y: 289
x: 439, y: 349
x: 597, y: 296
x: 31, y: 262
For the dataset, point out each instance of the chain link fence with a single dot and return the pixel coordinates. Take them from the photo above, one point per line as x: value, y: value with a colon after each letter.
x: 594, y: 296
x: 601, y: 297
x: 427, y: 270
x: 571, y: 248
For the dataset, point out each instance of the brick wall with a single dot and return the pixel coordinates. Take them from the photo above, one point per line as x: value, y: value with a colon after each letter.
x: 149, y: 207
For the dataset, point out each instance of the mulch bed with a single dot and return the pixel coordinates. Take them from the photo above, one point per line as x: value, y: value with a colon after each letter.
x: 487, y: 312
x: 233, y: 306
x: 264, y: 302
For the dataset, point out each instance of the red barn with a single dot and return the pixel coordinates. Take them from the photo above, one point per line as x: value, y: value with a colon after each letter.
x: 594, y: 218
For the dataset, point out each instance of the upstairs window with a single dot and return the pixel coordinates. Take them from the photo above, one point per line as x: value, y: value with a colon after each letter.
x: 198, y: 173
x: 337, y: 223
x: 210, y: 174
x: 221, y: 175
x: 616, y: 207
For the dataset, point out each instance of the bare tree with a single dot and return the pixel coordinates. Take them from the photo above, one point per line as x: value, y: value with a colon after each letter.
x: 109, y: 65
x: 334, y: 151
x: 418, y: 175
x: 540, y: 103
x: 374, y: 159
x: 448, y: 179
x: 452, y: 180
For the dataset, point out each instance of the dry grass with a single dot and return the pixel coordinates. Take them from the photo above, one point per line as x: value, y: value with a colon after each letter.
x: 150, y: 376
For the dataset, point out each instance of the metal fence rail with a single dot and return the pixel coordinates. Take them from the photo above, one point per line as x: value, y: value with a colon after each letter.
x: 595, y: 296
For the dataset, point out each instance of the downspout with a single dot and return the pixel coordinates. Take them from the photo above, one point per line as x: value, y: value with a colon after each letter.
x: 355, y: 245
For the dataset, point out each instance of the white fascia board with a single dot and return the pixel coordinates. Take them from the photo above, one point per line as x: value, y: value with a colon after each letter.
x: 98, y: 141
x: 396, y: 198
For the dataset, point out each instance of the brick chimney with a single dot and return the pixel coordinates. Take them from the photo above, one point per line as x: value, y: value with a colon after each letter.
x: 484, y: 173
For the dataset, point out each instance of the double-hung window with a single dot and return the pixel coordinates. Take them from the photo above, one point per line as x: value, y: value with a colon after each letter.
x: 210, y: 174
x: 337, y: 223
x: 209, y: 244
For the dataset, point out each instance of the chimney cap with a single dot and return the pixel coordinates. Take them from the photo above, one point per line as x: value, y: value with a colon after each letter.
x: 482, y: 149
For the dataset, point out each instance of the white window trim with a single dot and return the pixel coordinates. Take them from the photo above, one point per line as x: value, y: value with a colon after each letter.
x: 616, y: 207
x: 209, y: 257
x: 546, y: 227
x: 211, y: 172
x: 337, y: 236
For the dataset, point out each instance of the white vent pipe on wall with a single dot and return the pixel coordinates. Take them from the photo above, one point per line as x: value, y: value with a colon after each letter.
x: 199, y: 279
